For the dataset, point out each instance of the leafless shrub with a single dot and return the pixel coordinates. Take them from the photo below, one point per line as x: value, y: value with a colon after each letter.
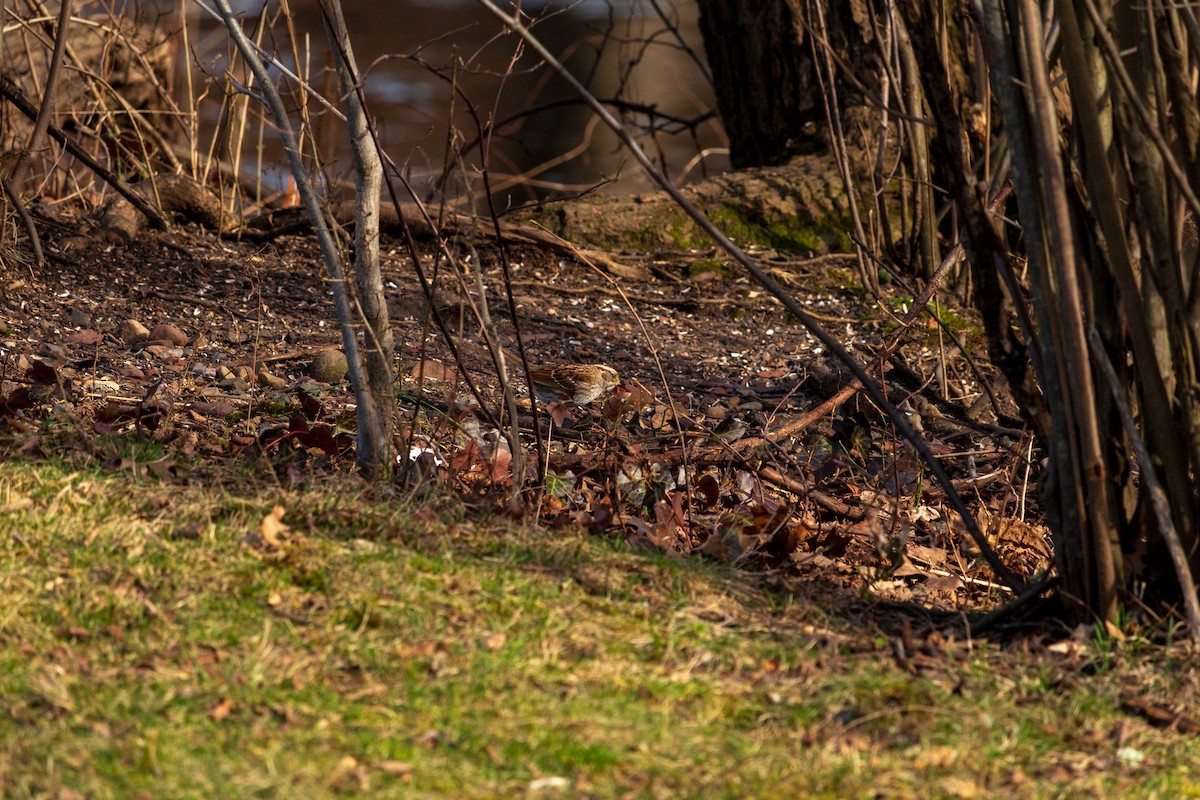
x: 1090, y: 107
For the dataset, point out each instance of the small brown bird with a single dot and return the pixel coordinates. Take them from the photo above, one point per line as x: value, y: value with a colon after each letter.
x: 574, y: 384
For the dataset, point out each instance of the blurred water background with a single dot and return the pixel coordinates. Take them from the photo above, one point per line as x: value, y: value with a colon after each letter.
x: 645, y: 53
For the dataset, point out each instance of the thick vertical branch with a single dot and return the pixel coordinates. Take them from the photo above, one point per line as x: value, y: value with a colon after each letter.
x: 367, y: 418
x: 42, y: 123
x: 1093, y: 119
x: 1067, y: 276
x: 985, y: 252
x: 368, y: 181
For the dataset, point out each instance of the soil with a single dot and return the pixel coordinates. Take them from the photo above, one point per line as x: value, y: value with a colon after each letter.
x: 840, y: 499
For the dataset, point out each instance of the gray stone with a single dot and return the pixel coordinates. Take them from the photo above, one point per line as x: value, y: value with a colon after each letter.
x: 265, y: 378
x: 328, y: 366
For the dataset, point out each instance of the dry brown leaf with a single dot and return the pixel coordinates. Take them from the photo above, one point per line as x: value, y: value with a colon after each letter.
x: 221, y: 710
x: 272, y: 528
x: 432, y: 370
x: 397, y: 769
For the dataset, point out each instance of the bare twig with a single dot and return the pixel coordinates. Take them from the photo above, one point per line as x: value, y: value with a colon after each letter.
x: 13, y: 93
x: 771, y: 285
x: 329, y: 250
x: 1153, y: 487
x: 14, y: 200
x: 49, y: 95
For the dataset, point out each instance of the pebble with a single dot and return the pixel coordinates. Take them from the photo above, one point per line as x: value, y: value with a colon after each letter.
x: 52, y: 352
x: 87, y: 337
x: 328, y: 366
x: 265, y: 378
x: 166, y: 332
x: 217, y: 408
x: 130, y: 331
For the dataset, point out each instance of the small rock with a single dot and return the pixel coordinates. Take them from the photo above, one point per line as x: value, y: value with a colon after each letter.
x: 131, y: 331
x: 265, y: 378
x: 223, y: 372
x: 169, y: 333
x: 328, y: 366
x: 219, y: 408
x: 52, y: 352
x: 87, y: 337
x: 244, y: 372
x: 234, y: 385
x: 132, y: 372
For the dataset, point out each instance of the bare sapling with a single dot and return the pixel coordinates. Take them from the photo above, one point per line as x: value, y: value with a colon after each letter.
x: 368, y: 181
x: 372, y: 424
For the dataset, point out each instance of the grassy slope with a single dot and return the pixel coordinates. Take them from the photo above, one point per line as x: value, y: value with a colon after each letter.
x: 145, y: 648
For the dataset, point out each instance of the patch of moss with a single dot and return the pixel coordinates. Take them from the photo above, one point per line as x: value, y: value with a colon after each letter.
x: 790, y: 234
x: 702, y: 265
x: 840, y: 280
x: 965, y: 327
x: 672, y: 228
x: 279, y: 407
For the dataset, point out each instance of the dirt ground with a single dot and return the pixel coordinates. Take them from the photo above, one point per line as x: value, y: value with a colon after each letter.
x: 220, y: 372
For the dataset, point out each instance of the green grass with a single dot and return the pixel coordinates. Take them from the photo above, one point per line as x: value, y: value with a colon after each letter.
x: 149, y: 647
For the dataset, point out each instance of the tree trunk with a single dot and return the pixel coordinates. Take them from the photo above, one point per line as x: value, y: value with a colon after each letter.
x: 765, y: 79
x: 765, y: 73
